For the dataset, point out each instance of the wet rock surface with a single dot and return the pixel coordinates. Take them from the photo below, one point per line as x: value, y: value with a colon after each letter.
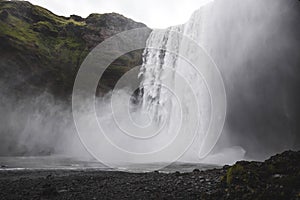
x: 276, y: 178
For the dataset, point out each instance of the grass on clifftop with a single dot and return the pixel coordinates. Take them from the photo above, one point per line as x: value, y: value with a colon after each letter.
x: 39, y: 42
x: 47, y: 36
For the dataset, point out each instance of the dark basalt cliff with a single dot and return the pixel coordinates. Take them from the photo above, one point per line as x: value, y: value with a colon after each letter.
x: 42, y: 51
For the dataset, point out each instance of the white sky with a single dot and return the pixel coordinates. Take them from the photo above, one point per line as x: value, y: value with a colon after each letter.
x: 153, y: 13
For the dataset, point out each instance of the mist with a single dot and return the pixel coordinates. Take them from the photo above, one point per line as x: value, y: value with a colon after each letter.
x: 254, y: 43
x: 37, y: 126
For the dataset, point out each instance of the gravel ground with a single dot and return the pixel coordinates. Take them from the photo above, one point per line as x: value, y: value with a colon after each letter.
x: 276, y: 178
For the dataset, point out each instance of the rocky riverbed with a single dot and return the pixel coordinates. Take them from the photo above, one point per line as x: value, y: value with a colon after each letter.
x: 276, y: 178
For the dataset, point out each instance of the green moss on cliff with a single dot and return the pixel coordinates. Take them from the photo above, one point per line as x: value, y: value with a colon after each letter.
x: 276, y: 178
x: 235, y: 170
x: 58, y: 20
x: 37, y: 43
x: 47, y: 38
x: 19, y: 30
x: 43, y: 38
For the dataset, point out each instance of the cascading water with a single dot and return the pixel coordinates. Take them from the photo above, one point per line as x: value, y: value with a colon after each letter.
x: 254, y: 45
x: 163, y: 65
x: 182, y: 91
x: 155, y: 61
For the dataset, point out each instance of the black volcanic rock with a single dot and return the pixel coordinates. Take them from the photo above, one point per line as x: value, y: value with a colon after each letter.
x: 276, y: 178
x: 42, y: 51
x: 271, y: 179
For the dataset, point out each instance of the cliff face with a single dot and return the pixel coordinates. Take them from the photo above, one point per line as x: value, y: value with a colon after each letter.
x: 42, y: 51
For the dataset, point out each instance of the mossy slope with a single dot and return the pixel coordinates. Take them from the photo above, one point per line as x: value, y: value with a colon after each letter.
x: 42, y: 51
x: 276, y: 178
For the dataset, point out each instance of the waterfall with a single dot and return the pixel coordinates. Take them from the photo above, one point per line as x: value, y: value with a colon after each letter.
x: 163, y: 66
x: 156, y: 60
x: 183, y: 103
x: 254, y: 45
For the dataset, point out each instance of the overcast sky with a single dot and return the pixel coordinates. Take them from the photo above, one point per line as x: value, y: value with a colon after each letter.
x: 154, y: 13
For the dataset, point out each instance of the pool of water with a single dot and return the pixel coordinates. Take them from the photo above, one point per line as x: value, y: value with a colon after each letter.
x: 69, y: 163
